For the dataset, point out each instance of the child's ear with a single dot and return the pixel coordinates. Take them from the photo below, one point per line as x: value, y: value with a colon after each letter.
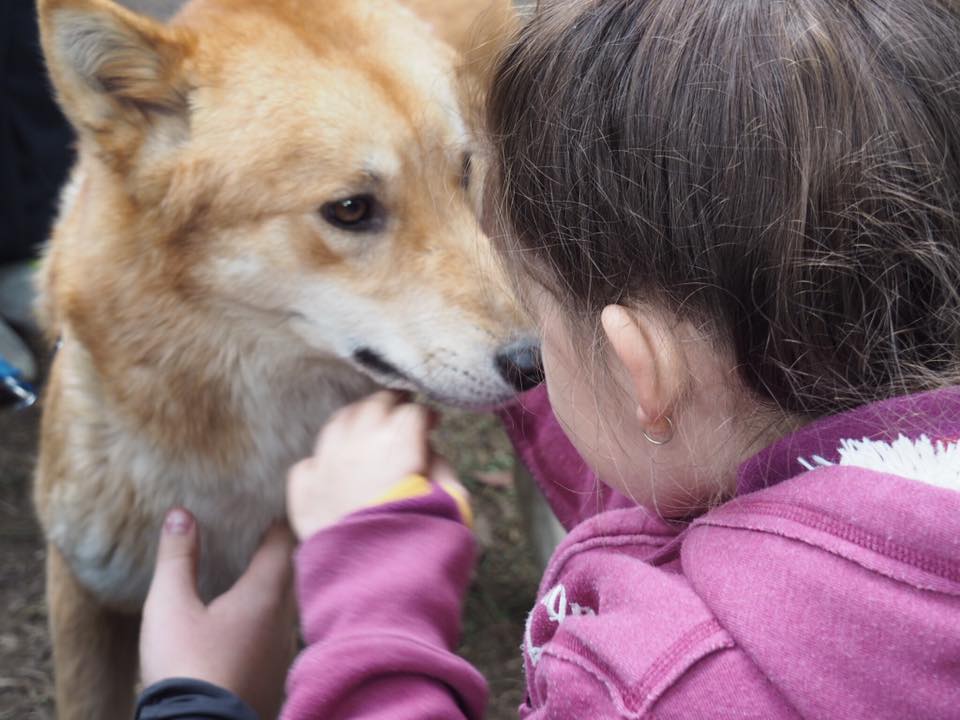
x: 652, y: 355
x: 115, y: 72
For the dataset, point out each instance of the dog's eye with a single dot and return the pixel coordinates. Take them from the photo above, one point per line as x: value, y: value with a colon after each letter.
x: 359, y: 213
x: 466, y: 171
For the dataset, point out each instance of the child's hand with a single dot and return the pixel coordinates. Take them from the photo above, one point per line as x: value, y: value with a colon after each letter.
x: 363, y: 451
x: 243, y: 641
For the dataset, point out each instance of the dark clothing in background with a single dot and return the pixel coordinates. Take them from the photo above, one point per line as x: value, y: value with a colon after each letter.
x: 35, y: 140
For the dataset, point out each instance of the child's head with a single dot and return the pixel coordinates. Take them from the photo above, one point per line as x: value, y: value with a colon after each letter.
x: 767, y: 193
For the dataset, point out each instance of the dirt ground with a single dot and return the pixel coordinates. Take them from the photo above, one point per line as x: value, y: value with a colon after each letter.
x: 501, y: 594
x: 24, y: 646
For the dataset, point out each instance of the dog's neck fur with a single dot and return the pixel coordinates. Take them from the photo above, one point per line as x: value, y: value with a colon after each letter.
x: 231, y: 477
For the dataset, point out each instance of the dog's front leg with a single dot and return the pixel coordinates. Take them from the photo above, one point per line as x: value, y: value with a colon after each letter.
x: 94, y: 649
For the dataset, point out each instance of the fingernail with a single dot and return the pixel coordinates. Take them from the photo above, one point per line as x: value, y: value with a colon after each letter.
x: 178, y: 522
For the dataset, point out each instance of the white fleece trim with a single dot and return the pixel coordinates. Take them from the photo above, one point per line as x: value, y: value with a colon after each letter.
x: 934, y: 464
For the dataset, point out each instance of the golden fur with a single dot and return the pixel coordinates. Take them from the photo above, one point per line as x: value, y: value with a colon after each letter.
x: 210, y: 317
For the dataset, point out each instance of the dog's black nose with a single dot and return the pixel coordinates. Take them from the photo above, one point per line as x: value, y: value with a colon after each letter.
x: 520, y: 365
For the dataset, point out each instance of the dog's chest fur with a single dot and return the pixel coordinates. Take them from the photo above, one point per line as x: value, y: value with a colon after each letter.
x: 105, y: 512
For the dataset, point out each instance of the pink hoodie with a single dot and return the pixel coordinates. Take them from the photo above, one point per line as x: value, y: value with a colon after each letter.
x: 829, y: 588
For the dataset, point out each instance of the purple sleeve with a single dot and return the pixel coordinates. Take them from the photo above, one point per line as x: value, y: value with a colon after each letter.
x: 380, y: 597
x: 571, y: 488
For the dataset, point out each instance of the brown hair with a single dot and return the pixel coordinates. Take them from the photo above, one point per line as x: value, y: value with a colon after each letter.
x: 787, y: 172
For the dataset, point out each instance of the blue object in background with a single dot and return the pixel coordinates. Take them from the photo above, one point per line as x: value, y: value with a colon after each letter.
x: 11, y: 381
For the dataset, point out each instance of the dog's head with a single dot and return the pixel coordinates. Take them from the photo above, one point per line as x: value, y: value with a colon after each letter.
x: 303, y: 166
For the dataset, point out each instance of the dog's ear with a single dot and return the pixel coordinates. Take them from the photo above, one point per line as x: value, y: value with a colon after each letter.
x: 476, y: 29
x: 114, y: 71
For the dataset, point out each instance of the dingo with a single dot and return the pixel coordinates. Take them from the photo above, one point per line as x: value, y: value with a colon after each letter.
x: 272, y: 211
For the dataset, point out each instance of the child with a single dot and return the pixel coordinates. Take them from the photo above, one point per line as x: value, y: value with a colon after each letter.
x: 738, y: 224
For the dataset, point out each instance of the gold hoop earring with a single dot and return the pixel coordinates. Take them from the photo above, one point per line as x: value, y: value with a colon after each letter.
x: 660, y: 441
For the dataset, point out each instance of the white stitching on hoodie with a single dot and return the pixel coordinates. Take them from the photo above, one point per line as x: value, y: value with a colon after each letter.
x: 558, y: 610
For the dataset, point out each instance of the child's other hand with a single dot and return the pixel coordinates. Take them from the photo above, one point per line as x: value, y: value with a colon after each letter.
x: 363, y: 451
x: 243, y: 641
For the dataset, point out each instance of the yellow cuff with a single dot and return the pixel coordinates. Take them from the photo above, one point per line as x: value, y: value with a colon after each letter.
x: 414, y: 486
x: 459, y: 496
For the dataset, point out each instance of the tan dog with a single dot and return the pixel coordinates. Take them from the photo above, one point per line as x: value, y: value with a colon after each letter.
x: 272, y: 212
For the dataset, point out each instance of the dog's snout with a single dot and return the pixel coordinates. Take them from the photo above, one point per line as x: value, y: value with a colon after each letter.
x: 520, y: 365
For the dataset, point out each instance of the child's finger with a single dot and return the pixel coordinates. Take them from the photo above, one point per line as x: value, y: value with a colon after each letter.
x: 175, y: 575
x: 372, y: 409
x: 410, y: 426
x: 380, y: 401
x: 413, y: 418
x: 383, y: 401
